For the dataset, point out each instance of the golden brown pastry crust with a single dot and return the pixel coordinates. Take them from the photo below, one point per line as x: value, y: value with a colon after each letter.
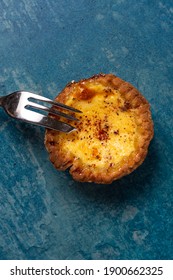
x: 133, y: 103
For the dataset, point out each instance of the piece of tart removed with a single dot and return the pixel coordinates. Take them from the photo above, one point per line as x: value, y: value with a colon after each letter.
x: 113, y: 133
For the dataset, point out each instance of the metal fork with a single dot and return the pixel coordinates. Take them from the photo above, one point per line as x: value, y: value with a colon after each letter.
x: 23, y: 105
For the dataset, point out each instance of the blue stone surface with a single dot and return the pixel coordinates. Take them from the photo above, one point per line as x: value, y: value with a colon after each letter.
x: 44, y: 214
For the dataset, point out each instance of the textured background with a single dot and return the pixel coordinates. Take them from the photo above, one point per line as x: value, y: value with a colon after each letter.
x: 44, y: 214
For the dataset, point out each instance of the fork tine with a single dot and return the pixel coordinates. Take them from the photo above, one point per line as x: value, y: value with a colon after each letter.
x: 56, y: 125
x: 45, y: 121
x: 55, y: 103
x: 50, y: 110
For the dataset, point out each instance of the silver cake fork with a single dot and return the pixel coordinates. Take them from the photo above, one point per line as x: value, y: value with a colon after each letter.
x: 23, y: 105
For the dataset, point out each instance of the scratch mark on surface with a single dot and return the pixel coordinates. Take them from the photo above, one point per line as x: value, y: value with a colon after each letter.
x: 139, y: 236
x: 129, y: 213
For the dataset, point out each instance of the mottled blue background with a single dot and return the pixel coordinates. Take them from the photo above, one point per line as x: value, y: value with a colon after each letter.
x: 44, y: 214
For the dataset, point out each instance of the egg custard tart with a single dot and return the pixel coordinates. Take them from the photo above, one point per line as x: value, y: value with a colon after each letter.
x: 113, y: 132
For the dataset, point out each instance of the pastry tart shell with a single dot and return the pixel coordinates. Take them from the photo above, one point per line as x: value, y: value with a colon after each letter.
x: 113, y: 133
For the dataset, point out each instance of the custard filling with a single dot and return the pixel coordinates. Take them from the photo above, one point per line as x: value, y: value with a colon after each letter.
x: 107, y: 132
